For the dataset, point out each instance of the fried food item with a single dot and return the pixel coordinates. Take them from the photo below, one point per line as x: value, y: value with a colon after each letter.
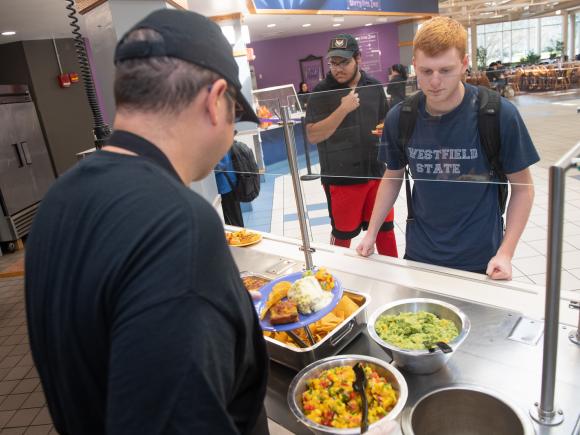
x: 320, y: 329
x: 284, y: 312
x: 252, y: 282
x: 241, y: 237
x: 279, y: 292
x: 378, y: 131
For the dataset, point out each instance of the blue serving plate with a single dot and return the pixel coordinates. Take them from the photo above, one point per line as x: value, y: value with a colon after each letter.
x: 304, y: 319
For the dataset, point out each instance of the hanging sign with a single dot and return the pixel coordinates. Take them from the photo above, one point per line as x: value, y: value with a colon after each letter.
x: 385, y: 6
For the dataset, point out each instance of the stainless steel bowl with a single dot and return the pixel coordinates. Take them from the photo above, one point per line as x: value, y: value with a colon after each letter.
x: 465, y: 409
x: 298, y: 386
x: 421, y: 361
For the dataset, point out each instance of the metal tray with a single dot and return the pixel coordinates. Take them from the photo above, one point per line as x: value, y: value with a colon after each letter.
x: 298, y: 358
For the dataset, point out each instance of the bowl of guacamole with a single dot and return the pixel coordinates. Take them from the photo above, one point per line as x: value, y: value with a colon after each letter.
x: 407, y: 330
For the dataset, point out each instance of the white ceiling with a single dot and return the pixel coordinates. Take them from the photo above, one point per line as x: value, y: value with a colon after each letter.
x: 40, y: 19
x: 33, y: 19
x: 287, y: 26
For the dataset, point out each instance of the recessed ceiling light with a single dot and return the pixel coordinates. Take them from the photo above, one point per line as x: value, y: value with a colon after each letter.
x: 271, y: 25
x: 558, y: 12
x: 368, y: 24
x: 8, y: 33
x: 306, y: 25
x: 336, y: 25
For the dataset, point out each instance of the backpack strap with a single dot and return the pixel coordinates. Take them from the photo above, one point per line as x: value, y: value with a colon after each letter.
x: 407, y: 120
x: 490, y: 137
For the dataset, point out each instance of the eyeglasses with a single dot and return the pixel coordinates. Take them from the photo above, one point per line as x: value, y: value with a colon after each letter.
x: 238, y: 109
x: 339, y: 65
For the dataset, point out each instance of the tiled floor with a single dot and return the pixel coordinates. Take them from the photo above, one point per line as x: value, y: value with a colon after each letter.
x: 553, y: 123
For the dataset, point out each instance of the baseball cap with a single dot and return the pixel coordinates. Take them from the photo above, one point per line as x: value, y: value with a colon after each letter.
x: 191, y: 37
x: 343, y: 45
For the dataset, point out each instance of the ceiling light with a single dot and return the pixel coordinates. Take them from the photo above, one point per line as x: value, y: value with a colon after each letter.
x: 336, y: 25
x: 8, y: 33
x: 368, y: 24
x: 306, y: 25
x: 271, y: 25
x: 558, y: 12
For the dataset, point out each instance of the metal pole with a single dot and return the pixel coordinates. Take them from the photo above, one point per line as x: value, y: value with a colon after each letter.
x: 575, y: 335
x: 544, y: 412
x: 293, y: 162
x: 309, y: 176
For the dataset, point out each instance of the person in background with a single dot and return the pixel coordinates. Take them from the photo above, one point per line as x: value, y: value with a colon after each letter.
x: 303, y: 94
x: 456, y: 224
x: 397, y: 83
x: 141, y: 323
x: 342, y: 112
x: 226, y: 180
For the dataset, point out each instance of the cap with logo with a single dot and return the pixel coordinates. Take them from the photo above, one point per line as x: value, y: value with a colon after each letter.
x: 191, y: 37
x: 343, y: 45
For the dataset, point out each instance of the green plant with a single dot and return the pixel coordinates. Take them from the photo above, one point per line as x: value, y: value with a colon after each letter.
x: 556, y: 50
x: 481, y: 58
x: 532, y: 58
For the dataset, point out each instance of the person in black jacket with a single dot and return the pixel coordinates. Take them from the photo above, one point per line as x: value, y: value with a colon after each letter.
x: 139, y: 322
x: 342, y: 113
x: 397, y: 83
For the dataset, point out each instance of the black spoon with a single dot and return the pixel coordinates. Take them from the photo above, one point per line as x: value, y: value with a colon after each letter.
x: 432, y: 347
x: 360, y: 385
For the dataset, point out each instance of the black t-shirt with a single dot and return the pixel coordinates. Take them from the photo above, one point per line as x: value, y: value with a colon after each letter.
x: 139, y: 322
x: 352, y: 150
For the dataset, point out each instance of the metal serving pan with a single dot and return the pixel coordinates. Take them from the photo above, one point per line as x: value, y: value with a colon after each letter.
x: 334, y: 342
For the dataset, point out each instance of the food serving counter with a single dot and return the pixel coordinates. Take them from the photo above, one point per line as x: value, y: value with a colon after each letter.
x: 502, y: 354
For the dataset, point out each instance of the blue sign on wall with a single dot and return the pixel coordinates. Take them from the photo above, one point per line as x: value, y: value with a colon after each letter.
x: 415, y: 6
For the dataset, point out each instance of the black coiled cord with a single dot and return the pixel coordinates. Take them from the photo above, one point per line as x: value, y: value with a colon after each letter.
x: 101, y: 131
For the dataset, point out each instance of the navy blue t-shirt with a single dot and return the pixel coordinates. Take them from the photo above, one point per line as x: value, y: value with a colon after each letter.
x: 457, y: 217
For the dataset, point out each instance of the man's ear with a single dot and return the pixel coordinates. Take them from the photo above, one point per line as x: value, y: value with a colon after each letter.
x: 214, y: 99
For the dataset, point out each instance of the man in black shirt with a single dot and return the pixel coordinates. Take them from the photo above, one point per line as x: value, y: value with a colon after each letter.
x: 138, y: 320
x: 342, y: 113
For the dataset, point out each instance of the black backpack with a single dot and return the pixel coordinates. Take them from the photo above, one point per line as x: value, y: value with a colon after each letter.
x: 248, y: 186
x: 489, y: 134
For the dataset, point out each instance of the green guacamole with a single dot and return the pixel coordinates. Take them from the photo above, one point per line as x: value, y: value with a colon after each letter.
x: 412, y: 330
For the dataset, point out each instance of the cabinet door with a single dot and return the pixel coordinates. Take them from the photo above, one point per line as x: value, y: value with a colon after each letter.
x: 25, y: 169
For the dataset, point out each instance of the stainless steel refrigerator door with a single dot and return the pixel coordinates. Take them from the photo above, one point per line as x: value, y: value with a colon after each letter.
x: 26, y: 172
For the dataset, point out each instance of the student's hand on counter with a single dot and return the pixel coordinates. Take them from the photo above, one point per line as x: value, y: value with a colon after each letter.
x: 350, y: 102
x: 500, y: 267
x: 388, y: 427
x: 366, y: 247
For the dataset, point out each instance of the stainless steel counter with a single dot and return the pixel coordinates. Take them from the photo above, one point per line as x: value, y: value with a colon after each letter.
x: 488, y: 358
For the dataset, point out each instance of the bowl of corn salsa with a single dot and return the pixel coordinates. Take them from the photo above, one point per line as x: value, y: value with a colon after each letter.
x: 322, y: 397
x: 402, y: 327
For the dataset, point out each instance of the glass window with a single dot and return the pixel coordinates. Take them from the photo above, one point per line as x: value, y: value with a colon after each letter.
x: 494, y: 46
x: 521, y: 24
x: 551, y: 34
x: 520, y: 44
x: 577, y: 44
x: 493, y: 27
x: 506, y: 53
x: 548, y: 21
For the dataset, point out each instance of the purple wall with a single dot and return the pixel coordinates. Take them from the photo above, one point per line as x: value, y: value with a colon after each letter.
x: 277, y: 59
